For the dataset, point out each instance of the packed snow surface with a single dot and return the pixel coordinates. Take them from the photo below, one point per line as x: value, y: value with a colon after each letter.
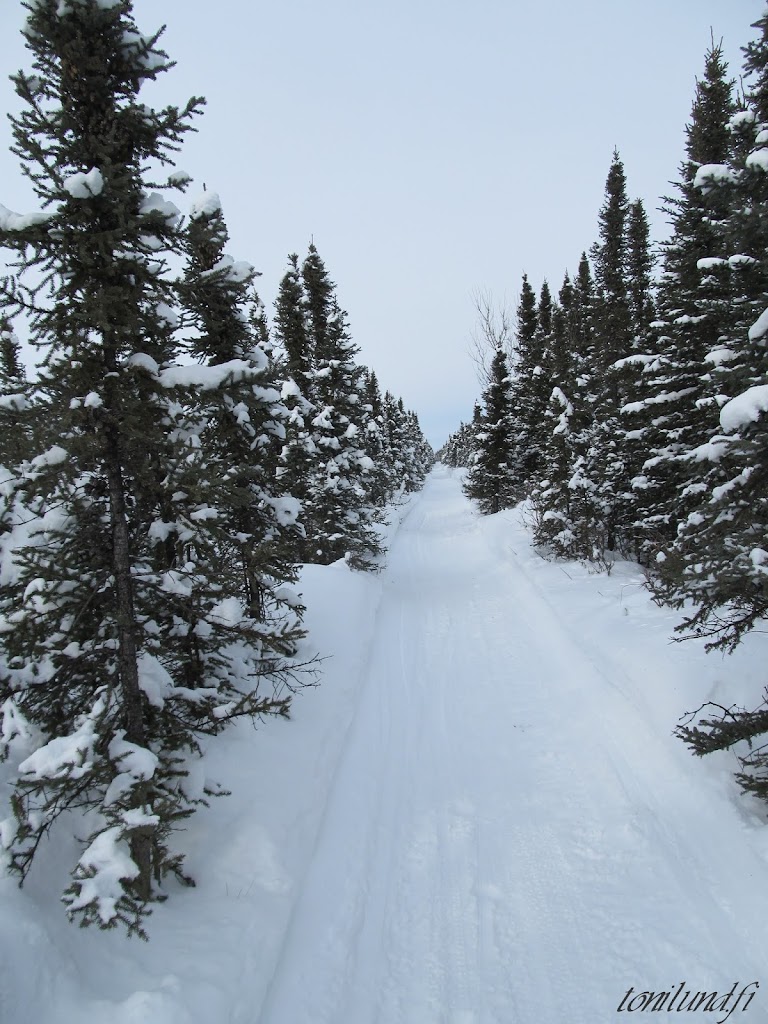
x: 479, y: 817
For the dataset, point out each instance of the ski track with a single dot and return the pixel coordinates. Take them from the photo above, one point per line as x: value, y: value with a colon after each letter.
x: 498, y: 845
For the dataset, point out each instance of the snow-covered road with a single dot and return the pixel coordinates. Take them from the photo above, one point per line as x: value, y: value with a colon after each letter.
x: 479, y: 817
x: 506, y: 838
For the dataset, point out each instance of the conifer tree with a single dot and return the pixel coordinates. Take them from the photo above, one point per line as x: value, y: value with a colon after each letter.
x: 380, y: 479
x: 243, y: 427
x: 489, y: 481
x: 523, y: 454
x: 296, y: 361
x: 604, y: 471
x: 552, y: 493
x: 338, y: 512
x: 112, y: 637
x: 692, y: 323
x: 717, y: 558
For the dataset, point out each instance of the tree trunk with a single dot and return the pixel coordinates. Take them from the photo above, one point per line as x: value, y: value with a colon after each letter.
x: 140, y: 844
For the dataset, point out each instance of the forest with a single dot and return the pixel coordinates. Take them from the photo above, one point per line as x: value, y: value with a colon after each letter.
x: 166, y: 469
x: 631, y: 408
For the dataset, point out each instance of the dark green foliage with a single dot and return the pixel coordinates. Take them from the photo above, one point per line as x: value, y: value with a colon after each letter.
x: 528, y: 397
x: 689, y: 338
x: 124, y: 630
x: 731, y: 728
x: 489, y: 481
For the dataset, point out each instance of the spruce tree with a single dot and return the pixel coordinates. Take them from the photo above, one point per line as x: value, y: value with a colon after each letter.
x: 552, y: 494
x: 243, y: 427
x: 717, y: 558
x: 527, y: 402
x: 604, y: 471
x: 296, y: 362
x: 124, y: 638
x: 489, y: 481
x: 339, y: 515
x: 689, y: 335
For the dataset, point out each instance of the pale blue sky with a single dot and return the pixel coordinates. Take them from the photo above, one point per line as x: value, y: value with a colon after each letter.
x: 432, y: 148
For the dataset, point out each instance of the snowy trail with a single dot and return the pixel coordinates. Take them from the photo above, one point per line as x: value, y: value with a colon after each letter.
x: 479, y: 817
x: 498, y: 845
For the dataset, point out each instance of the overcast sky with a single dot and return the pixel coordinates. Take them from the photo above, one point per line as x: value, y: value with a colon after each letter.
x: 432, y: 148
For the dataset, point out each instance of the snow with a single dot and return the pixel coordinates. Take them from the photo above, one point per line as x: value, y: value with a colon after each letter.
x: 167, y: 314
x: 287, y: 508
x: 478, y: 817
x: 70, y: 756
x: 52, y: 457
x: 231, y: 269
x: 107, y: 858
x: 760, y: 327
x: 207, y: 378
x: 179, y: 177
x: 206, y: 205
x: 745, y: 408
x: 144, y: 362
x: 10, y: 221
x: 719, y: 356
x: 153, y: 202
x: 153, y: 678
x: 758, y: 160
x: 709, y: 262
x: 709, y: 174
x: 742, y: 117
x: 228, y: 612
x: 84, y: 184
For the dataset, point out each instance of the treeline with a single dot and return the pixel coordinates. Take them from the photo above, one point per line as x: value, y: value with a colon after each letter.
x: 631, y: 411
x: 163, y: 476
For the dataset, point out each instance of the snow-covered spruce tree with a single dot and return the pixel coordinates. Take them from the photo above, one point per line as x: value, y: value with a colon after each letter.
x: 729, y: 578
x: 243, y: 431
x: 459, y: 447
x: 605, y: 471
x: 489, y: 481
x: 691, y: 327
x: 339, y: 514
x: 380, y: 478
x: 719, y: 558
x: 419, y: 455
x: 637, y: 420
x: 296, y: 360
x: 117, y: 688
x: 552, y: 494
x: 527, y: 401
